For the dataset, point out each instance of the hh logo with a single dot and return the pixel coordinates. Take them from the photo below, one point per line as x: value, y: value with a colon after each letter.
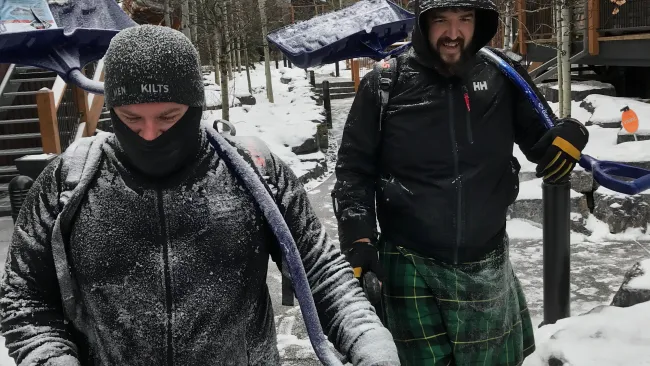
x: 480, y: 85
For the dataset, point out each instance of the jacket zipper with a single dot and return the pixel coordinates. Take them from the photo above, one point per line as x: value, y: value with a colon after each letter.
x: 459, y: 179
x: 468, y: 121
x: 168, y: 280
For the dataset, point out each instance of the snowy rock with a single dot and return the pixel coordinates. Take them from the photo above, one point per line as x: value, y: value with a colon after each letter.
x: 624, y: 136
x: 285, y: 79
x: 529, y: 205
x: 620, y: 211
x: 246, y: 99
x: 579, y: 90
x: 606, y: 111
x: 606, y: 336
x: 309, y: 146
x: 636, y: 286
x: 583, y: 181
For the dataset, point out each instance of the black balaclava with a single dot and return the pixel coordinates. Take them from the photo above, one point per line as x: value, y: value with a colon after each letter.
x: 487, y: 22
x: 153, y: 64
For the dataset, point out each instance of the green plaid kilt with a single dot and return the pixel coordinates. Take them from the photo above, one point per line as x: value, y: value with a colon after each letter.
x: 466, y: 314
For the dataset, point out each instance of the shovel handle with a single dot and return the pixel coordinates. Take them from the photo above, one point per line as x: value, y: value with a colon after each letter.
x: 609, y: 174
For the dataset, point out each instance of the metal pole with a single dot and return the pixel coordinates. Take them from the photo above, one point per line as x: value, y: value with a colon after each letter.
x: 312, y: 78
x: 557, y: 251
x: 338, y: 73
x: 327, y: 103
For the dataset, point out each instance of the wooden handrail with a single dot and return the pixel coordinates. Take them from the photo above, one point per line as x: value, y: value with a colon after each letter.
x: 356, y: 74
x: 95, y: 103
x: 46, y: 104
x: 59, y: 91
x: 521, y: 18
x: 593, y: 23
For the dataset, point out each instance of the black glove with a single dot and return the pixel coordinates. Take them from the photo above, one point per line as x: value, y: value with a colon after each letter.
x: 560, y: 149
x: 363, y: 257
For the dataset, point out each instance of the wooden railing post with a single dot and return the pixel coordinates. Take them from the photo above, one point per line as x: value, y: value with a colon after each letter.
x: 521, y: 15
x: 593, y: 23
x: 81, y: 99
x: 355, y: 73
x: 48, y: 122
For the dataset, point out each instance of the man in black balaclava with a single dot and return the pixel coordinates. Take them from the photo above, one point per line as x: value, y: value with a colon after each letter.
x: 436, y: 170
x: 166, y: 256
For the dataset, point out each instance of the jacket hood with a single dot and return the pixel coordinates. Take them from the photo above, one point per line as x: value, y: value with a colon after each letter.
x: 487, y: 22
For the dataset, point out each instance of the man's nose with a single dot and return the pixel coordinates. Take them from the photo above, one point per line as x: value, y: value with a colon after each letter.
x: 453, y: 32
x: 150, y: 131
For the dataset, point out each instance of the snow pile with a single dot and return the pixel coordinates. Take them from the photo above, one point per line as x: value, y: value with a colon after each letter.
x: 608, y: 110
x: 583, y: 85
x: 286, y: 123
x: 532, y: 190
x: 608, y: 336
x: 326, y: 29
x: 643, y: 281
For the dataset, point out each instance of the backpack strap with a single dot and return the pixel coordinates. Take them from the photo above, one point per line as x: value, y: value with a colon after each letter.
x: 79, y: 163
x: 387, y: 71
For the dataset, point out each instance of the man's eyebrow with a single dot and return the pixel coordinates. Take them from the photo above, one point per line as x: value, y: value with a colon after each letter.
x: 170, y: 111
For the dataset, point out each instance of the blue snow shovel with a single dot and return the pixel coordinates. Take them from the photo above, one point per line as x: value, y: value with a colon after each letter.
x: 631, y: 180
x: 86, y: 28
x: 364, y: 29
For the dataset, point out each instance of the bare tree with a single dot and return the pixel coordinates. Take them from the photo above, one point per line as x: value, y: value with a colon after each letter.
x: 267, y: 56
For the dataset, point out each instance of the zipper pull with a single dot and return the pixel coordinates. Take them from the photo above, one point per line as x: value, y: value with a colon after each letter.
x: 466, y: 95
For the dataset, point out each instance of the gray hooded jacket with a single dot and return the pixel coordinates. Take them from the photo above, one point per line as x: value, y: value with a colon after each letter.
x: 171, y: 273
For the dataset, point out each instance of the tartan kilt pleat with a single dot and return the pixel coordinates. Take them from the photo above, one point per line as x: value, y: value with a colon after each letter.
x: 466, y: 314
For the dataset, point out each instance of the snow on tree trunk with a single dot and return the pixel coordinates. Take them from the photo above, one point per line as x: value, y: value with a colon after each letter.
x: 223, y: 67
x: 507, y: 29
x: 227, y: 22
x: 558, y: 39
x: 239, y: 31
x: 185, y: 19
x: 267, y: 57
x: 566, y: 56
x: 248, y: 73
x: 168, y: 15
x: 215, y: 56
x: 193, y: 21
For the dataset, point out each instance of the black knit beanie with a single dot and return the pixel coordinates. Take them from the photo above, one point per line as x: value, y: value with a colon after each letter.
x: 152, y: 64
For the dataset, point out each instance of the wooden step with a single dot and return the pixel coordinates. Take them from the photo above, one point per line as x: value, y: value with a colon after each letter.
x: 15, y: 94
x: 8, y: 169
x: 23, y: 69
x: 20, y: 136
x: 30, y: 80
x: 36, y: 73
x: 26, y: 151
x: 14, y: 107
x: 12, y: 121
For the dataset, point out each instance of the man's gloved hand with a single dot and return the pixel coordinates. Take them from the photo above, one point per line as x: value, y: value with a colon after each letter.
x: 560, y: 149
x: 363, y: 257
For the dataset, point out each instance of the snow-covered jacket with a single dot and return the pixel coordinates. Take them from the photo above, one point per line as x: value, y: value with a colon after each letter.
x: 171, y: 272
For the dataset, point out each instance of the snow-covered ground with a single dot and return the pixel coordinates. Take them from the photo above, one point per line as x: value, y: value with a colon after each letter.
x: 286, y: 123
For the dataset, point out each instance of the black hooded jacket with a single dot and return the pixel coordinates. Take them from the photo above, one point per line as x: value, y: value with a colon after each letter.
x: 440, y: 171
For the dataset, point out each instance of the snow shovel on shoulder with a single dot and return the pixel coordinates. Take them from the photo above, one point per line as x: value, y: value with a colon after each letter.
x: 613, y: 175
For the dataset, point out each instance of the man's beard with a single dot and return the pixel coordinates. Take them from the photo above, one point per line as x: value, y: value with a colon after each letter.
x: 454, y: 67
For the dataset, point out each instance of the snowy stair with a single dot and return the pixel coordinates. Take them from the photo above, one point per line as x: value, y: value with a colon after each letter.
x: 338, y: 90
x: 19, y: 123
